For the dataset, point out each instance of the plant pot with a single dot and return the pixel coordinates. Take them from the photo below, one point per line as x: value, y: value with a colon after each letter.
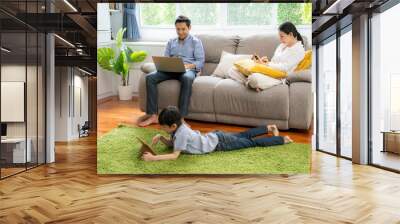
x: 125, y: 92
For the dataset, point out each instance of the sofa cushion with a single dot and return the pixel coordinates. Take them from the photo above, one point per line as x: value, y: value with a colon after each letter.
x: 226, y: 63
x: 233, y: 98
x: 214, y: 44
x: 202, y: 94
x: 261, y: 44
x: 300, y: 76
x: 251, y: 121
x: 168, y: 93
x: 208, y: 68
x: 261, y: 81
x: 202, y: 99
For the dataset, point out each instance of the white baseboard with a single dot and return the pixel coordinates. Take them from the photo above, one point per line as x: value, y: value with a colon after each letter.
x: 105, y: 95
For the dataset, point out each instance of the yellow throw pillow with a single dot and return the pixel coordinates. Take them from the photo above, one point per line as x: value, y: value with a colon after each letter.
x: 248, y: 66
x: 244, y: 66
x: 266, y: 70
x: 305, y: 63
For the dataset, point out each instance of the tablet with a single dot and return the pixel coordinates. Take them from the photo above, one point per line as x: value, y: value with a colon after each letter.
x: 144, y: 147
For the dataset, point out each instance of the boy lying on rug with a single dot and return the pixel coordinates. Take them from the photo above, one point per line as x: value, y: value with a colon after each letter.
x: 185, y: 140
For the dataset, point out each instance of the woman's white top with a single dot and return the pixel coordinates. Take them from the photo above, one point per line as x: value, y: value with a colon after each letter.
x: 286, y: 58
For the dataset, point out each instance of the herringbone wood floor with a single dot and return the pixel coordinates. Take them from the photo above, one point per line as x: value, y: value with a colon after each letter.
x: 70, y: 191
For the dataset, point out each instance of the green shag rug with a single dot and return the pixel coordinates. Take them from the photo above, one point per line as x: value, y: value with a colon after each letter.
x: 117, y: 153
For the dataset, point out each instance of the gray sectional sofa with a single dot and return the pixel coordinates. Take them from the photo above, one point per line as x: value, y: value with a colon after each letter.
x: 224, y: 100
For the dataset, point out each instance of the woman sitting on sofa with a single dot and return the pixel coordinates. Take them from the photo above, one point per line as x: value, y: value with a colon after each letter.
x: 286, y: 57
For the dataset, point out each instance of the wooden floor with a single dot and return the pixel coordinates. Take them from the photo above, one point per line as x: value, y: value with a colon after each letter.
x: 116, y: 112
x: 386, y: 159
x: 70, y: 191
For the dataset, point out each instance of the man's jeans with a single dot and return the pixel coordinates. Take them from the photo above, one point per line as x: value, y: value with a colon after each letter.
x: 154, y: 78
x: 233, y: 141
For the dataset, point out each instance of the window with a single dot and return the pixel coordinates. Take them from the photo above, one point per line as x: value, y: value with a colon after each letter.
x: 394, y: 101
x: 251, y: 14
x: 225, y: 14
x: 334, y: 103
x: 346, y: 94
x: 327, y: 97
x: 385, y: 87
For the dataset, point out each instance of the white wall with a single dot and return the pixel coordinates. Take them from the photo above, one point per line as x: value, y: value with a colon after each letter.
x: 62, y: 81
x: 108, y: 82
x: 15, y: 72
x: 69, y: 85
x: 103, y: 23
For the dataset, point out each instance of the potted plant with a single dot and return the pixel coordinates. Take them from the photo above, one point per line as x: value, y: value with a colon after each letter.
x: 108, y: 60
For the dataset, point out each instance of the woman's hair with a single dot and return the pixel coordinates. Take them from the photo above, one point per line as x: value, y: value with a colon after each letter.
x: 288, y: 27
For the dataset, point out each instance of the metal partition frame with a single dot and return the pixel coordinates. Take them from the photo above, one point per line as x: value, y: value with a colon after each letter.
x: 44, y: 75
x: 337, y: 35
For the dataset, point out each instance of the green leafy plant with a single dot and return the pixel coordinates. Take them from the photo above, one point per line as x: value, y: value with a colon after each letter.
x: 119, y: 61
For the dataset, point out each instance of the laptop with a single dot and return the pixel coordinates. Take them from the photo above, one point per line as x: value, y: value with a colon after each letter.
x: 169, y: 64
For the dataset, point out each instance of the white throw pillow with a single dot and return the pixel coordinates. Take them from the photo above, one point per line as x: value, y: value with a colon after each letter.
x: 260, y: 81
x: 226, y: 63
x: 234, y: 74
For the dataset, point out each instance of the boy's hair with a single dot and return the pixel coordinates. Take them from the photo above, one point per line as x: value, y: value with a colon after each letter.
x: 169, y: 116
x: 183, y: 19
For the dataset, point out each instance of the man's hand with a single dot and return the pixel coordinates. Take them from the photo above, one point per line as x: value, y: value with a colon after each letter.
x: 147, y: 156
x: 190, y: 66
x: 156, y: 139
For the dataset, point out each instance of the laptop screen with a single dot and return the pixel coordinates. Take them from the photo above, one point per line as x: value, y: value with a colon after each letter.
x: 3, y: 129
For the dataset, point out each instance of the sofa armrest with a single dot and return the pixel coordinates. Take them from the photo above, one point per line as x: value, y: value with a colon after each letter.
x: 300, y: 105
x: 142, y: 92
x: 300, y: 76
x: 148, y: 67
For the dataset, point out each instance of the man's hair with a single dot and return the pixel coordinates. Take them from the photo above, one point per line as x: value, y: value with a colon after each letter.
x: 183, y: 19
x: 169, y: 116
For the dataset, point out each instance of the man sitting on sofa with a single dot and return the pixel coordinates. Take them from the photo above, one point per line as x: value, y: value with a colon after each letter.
x: 190, y: 49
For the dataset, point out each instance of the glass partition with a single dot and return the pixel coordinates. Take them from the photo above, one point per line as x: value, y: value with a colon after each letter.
x: 385, y: 89
x: 22, y: 77
x: 14, y: 153
x: 346, y: 93
x: 327, y: 96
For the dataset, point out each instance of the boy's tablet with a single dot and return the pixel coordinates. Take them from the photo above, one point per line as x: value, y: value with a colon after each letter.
x: 145, y: 147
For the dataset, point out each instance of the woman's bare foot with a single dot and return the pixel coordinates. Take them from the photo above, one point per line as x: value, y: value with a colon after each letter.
x: 272, y: 128
x: 152, y: 119
x: 287, y: 139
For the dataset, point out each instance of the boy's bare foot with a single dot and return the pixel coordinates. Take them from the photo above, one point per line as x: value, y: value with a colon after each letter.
x: 287, y: 139
x: 272, y: 128
x: 153, y: 119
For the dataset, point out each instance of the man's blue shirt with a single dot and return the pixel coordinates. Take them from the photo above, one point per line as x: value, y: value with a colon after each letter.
x: 190, y: 50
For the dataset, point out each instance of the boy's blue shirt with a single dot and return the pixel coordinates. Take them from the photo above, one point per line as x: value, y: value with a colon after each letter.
x: 193, y: 142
